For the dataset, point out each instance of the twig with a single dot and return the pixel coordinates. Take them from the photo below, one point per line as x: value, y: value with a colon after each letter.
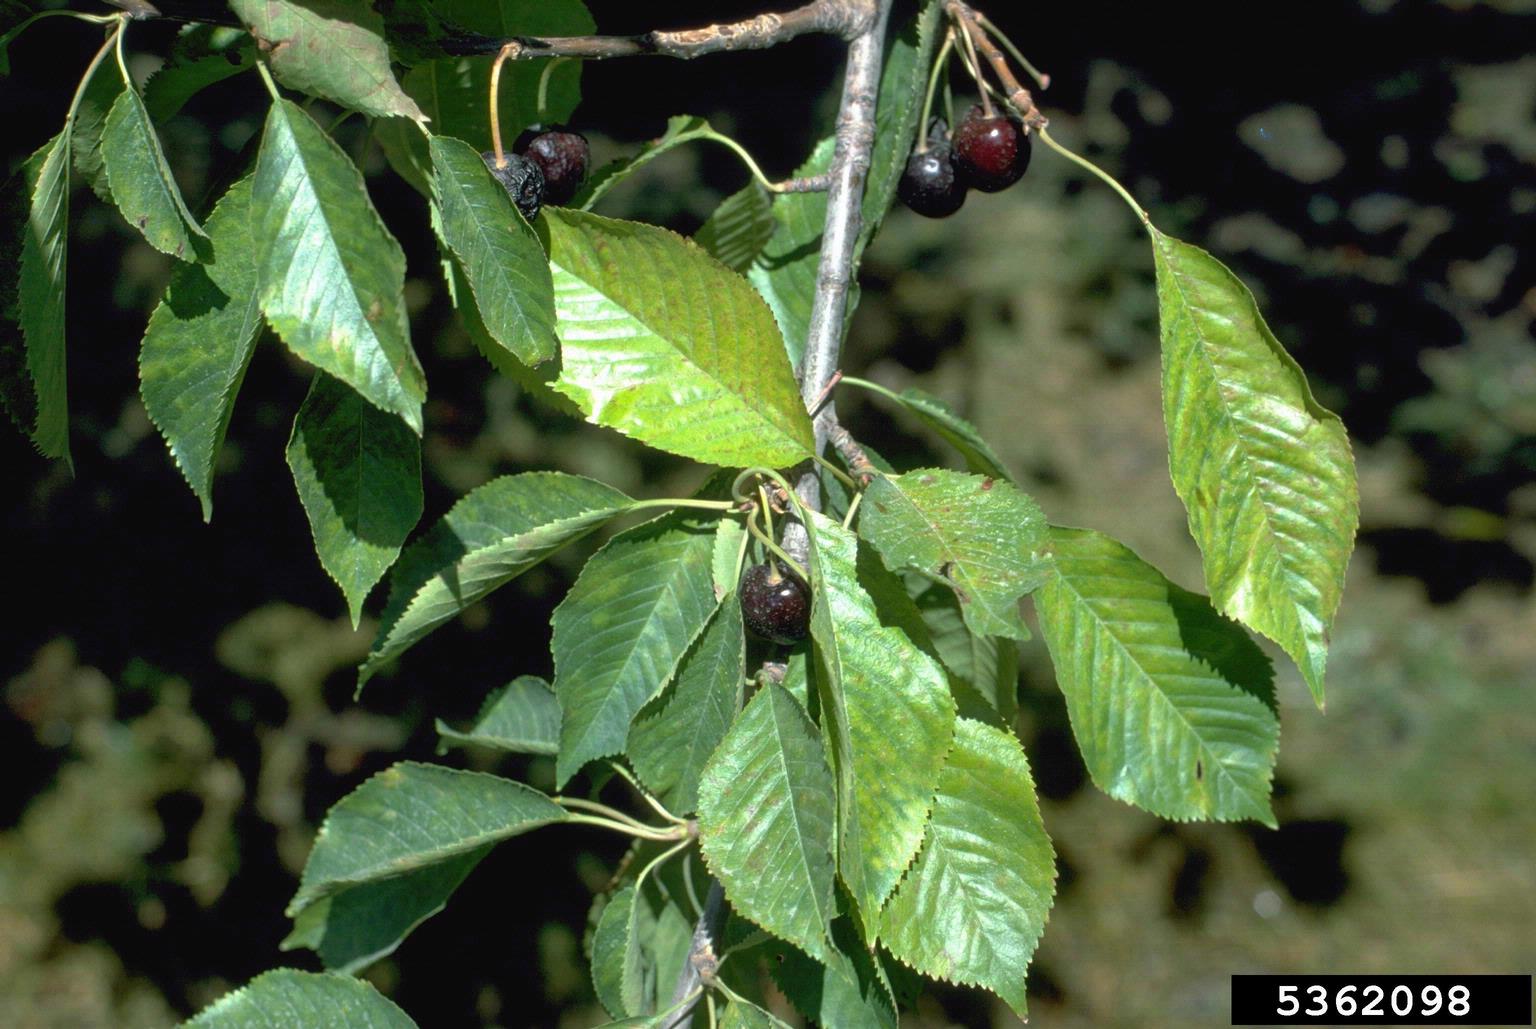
x: 845, y: 18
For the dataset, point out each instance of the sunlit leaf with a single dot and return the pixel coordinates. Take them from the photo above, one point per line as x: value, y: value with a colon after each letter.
x: 1172, y: 705
x: 199, y: 342
x: 890, y: 719
x: 622, y: 629
x: 358, y: 473
x: 332, y: 277
x: 141, y: 181
x: 331, y: 48
x: 491, y: 536
x: 412, y: 816
x: 1265, y: 472
x: 766, y: 821
x: 974, y: 905
x: 286, y: 997
x: 500, y: 255
x: 523, y: 717
x: 981, y: 537
x: 665, y: 344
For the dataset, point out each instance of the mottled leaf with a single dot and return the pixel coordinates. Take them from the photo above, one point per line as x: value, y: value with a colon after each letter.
x: 1172, y: 705
x: 665, y: 344
x: 890, y: 718
x: 142, y: 185
x: 974, y: 905
x: 331, y: 48
x: 981, y: 537
x: 766, y: 821
x: 1265, y: 472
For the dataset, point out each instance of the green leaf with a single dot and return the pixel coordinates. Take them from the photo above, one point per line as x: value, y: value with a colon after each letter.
x: 978, y: 455
x: 979, y: 536
x: 903, y: 81
x: 523, y: 717
x: 844, y: 989
x: 766, y: 821
x: 412, y: 816
x: 674, y: 735
x: 202, y: 56
x: 730, y: 536
x: 492, y: 535
x: 453, y: 91
x: 90, y: 121
x: 1172, y: 705
x: 199, y: 342
x: 286, y: 997
x: 638, y: 947
x: 974, y: 905
x: 665, y: 344
x: 500, y: 254
x: 353, y: 929
x: 743, y: 1014
x: 1265, y: 472
x: 358, y: 473
x: 785, y: 270
x: 43, y: 409
x: 332, y: 277
x: 739, y: 228
x: 614, y: 960
x: 141, y: 181
x: 333, y: 49
x: 890, y: 717
x: 621, y: 631
x: 982, y: 670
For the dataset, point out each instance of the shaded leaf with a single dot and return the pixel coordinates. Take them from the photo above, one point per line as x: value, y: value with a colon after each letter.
x: 492, y: 535
x: 621, y: 631
x: 90, y: 121
x: 981, y: 537
x: 1172, y: 705
x: 674, y: 735
x: 681, y: 129
x: 974, y: 905
x: 353, y: 929
x: 358, y: 473
x: 739, y: 228
x: 412, y: 816
x: 978, y: 455
x: 844, y: 989
x: 202, y: 56
x: 665, y: 344
x: 638, y: 947
x: 983, y: 670
x: 1265, y: 472
x: 890, y: 717
x: 331, y: 48
x: 286, y: 997
x: 523, y: 717
x: 35, y: 393
x: 766, y: 814
x: 199, y: 342
x: 141, y: 181
x: 332, y: 277
x: 743, y: 1014
x: 500, y: 255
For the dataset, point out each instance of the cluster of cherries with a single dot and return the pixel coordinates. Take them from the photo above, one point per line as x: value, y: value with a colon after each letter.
x: 546, y: 166
x: 989, y: 152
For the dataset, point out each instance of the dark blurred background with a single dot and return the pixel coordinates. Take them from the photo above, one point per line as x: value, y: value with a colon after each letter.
x: 177, y: 707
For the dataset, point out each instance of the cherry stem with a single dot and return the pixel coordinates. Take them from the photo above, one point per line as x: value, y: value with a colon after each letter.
x: 542, y: 104
x: 973, y: 64
x: 1035, y: 73
x: 939, y: 63
x: 766, y: 508
x: 838, y: 473
x: 702, y: 505
x: 776, y: 550
x: 501, y: 57
x: 1113, y: 183
x: 1018, y: 97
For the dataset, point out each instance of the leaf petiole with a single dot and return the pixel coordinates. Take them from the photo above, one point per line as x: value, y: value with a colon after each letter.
x: 1083, y: 162
x: 90, y: 69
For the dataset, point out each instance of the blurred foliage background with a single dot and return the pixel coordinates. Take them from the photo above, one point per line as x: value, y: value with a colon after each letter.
x: 177, y: 710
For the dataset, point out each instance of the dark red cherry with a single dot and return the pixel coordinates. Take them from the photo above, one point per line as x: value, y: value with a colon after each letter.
x: 991, y: 154
x: 563, y: 157
x: 521, y: 178
x: 774, y: 604
x: 929, y: 184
